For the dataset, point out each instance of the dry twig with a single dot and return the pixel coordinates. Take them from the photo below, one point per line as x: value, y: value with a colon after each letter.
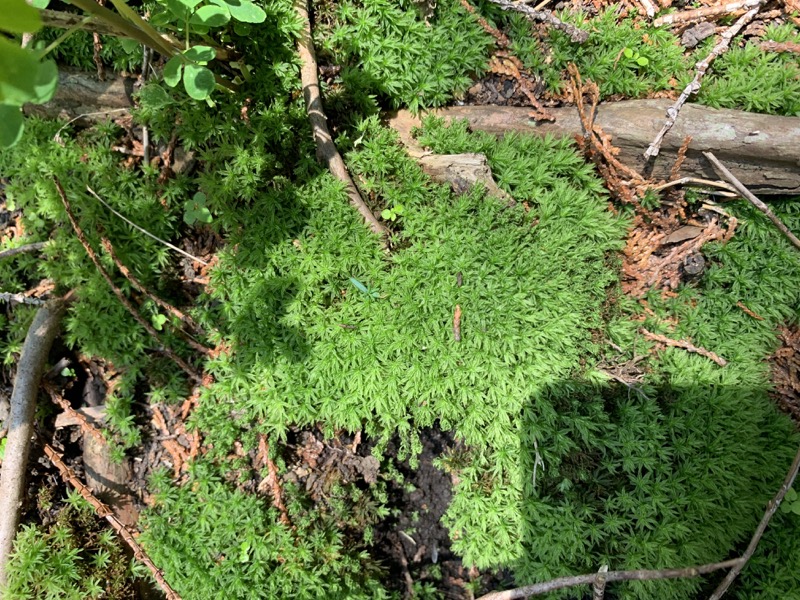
x: 689, y: 16
x: 84, y: 423
x: 20, y: 249
x: 750, y: 197
x: 272, y: 481
x: 20, y: 298
x: 326, y: 149
x: 590, y: 579
x: 117, y: 292
x: 700, y: 70
x: 688, y: 346
x: 457, y: 324
x: 771, y: 46
x: 105, y: 512
x: 544, y: 16
x: 30, y: 367
x: 772, y: 506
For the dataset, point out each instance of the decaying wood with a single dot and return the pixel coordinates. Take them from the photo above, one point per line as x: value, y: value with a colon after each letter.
x: 34, y: 247
x: 104, y: 511
x: 462, y: 172
x: 30, y: 367
x: 689, y: 16
x: 326, y: 149
x: 590, y: 579
x: 544, y: 16
x: 83, y: 97
x: 750, y: 197
x: 699, y: 72
x: 760, y: 150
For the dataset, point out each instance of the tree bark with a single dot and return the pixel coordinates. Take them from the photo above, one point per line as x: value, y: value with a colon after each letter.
x: 37, y: 345
x: 760, y: 150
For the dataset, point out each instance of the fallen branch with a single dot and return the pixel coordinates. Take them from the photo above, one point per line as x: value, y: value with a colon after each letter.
x: 118, y: 292
x: 591, y: 578
x: 30, y: 367
x: 750, y: 197
x: 20, y: 298
x: 700, y: 70
x: 326, y: 149
x: 36, y: 246
x: 689, y: 347
x: 544, y: 16
x: 104, y: 511
x: 84, y: 423
x: 689, y: 16
x: 770, y: 46
x: 772, y: 506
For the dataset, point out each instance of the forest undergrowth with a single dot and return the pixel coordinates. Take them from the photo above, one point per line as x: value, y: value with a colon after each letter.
x: 576, y: 440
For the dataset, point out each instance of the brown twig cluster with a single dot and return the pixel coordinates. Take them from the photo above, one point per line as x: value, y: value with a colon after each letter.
x: 272, y: 481
x: 688, y: 346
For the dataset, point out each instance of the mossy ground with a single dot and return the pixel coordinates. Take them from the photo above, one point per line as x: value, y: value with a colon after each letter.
x: 557, y: 468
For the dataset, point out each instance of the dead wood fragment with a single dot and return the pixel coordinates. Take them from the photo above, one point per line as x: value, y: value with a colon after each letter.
x: 544, y: 16
x: 175, y: 450
x: 86, y: 426
x: 688, y: 346
x: 749, y: 312
x: 326, y: 149
x: 690, y: 16
x: 462, y: 172
x: 457, y: 324
x: 786, y: 372
x: 590, y: 578
x: 272, y: 481
x: 104, y: 511
x: 599, y: 585
x: 36, y: 246
x: 118, y: 292
x: 30, y: 367
x: 771, y: 46
x: 700, y: 70
x: 20, y: 298
x: 500, y: 38
x: 750, y: 197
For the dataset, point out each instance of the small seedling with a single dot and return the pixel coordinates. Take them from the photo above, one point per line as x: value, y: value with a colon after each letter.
x: 634, y: 58
x: 67, y: 372
x: 391, y: 214
x: 791, y: 502
x: 372, y: 294
x: 158, y: 321
x: 195, y: 210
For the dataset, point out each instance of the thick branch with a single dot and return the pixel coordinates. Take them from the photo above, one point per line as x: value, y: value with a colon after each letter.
x: 590, y: 579
x: 37, y: 345
x: 326, y: 149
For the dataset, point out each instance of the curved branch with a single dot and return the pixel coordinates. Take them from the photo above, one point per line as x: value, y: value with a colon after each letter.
x: 37, y: 345
x: 326, y: 149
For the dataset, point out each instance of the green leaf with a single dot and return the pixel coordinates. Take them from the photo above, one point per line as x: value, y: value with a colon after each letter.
x: 211, y: 16
x: 642, y: 61
x: 398, y: 208
x: 154, y: 96
x: 129, y: 45
x: 11, y: 125
x: 46, y: 82
x: 158, y: 321
x: 200, y: 54
x: 19, y: 70
x: 242, y: 29
x: 791, y: 495
x: 198, y: 81
x: 628, y: 53
x: 386, y: 214
x: 42, y: 4
x: 19, y: 17
x: 796, y: 508
x: 359, y: 286
x: 245, y: 11
x: 199, y: 198
x: 173, y: 70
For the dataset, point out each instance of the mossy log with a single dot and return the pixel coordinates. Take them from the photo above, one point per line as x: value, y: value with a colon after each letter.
x: 762, y: 151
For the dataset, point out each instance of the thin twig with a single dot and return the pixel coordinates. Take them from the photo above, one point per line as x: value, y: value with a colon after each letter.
x: 104, y: 511
x: 544, y: 16
x: 687, y: 16
x: 457, y: 324
x: 700, y: 70
x: 750, y: 197
x: 591, y: 578
x: 117, y: 292
x: 695, y: 181
x: 20, y: 249
x: 30, y: 367
x: 326, y: 149
x: 144, y: 231
x: 162, y: 303
x: 772, y: 506
x: 83, y: 422
x: 688, y: 346
x: 21, y: 299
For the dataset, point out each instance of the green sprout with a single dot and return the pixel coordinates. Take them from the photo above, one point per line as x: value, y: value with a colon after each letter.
x: 391, y: 214
x: 195, y: 210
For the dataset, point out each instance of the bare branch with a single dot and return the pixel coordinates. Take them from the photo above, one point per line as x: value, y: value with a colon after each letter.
x: 326, y: 149
x: 544, y: 16
x: 688, y: 16
x: 117, y: 292
x: 20, y: 249
x: 591, y: 578
x: 752, y: 198
x: 105, y: 512
x: 772, y: 506
x: 31, y: 364
x: 700, y: 70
